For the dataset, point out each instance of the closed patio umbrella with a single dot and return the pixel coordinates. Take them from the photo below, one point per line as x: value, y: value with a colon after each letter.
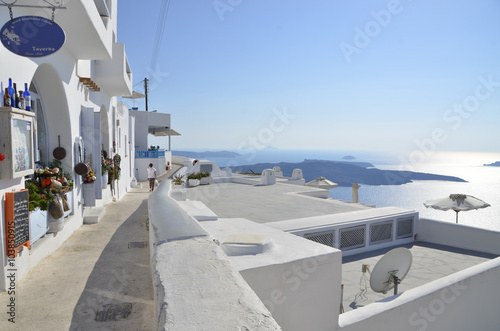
x: 322, y: 182
x: 457, y: 202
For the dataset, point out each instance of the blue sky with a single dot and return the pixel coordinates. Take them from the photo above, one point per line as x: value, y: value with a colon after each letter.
x: 350, y: 75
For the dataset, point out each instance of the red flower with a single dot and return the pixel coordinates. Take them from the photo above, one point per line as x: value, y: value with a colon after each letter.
x: 2, y: 156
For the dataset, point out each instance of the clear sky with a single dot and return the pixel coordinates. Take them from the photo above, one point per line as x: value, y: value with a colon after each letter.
x: 321, y: 74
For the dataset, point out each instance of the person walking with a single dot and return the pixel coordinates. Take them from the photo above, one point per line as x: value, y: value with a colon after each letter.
x: 151, y: 177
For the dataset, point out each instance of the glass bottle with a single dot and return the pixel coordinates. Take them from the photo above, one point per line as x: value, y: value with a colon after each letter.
x: 11, y: 94
x: 6, y: 98
x: 27, y: 97
x: 22, y: 103
x: 16, y: 97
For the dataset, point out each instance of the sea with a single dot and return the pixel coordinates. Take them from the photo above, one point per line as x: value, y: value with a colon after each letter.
x: 483, y: 182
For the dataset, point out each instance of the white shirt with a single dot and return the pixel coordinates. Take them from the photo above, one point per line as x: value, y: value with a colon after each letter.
x: 151, y: 172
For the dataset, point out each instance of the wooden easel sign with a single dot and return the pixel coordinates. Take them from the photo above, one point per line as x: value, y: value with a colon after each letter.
x: 17, y: 223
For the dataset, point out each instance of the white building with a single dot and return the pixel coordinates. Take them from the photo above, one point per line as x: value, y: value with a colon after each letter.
x: 157, y: 124
x: 74, y: 98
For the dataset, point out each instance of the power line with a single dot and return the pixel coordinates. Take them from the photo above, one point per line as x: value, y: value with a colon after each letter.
x: 165, y: 5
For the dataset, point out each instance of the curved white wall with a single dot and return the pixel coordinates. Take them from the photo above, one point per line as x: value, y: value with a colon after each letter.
x: 194, y: 283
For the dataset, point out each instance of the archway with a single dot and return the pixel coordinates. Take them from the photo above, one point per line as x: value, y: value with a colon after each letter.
x: 53, y: 97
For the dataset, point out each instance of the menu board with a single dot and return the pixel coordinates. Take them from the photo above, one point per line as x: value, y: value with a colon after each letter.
x: 21, y: 139
x: 17, y: 225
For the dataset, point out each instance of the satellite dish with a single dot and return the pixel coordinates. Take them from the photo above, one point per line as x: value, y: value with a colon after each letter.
x: 390, y: 270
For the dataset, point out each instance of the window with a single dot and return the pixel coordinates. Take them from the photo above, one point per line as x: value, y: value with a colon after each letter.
x: 40, y: 138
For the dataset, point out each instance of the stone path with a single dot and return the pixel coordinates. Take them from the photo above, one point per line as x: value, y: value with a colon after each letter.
x: 98, y: 280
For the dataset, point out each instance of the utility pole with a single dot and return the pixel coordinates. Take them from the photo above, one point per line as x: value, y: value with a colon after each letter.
x: 146, y: 91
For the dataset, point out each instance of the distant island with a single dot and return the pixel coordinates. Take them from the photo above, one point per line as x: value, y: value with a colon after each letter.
x: 206, y: 154
x: 494, y: 164
x: 348, y: 157
x: 346, y: 173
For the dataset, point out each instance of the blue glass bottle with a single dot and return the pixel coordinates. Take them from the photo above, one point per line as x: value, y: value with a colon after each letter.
x: 27, y: 97
x: 12, y: 94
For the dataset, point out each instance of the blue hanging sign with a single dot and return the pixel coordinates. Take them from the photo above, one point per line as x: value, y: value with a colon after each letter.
x: 32, y: 36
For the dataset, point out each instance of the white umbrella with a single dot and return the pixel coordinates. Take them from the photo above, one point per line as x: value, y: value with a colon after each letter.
x: 322, y: 182
x: 457, y: 202
x: 135, y: 95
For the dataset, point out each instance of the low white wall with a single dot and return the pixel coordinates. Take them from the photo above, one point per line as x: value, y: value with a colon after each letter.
x: 195, y: 285
x: 458, y: 235
x: 466, y: 300
x: 297, y: 279
x: 319, y: 193
x: 178, y: 159
x: 303, y: 294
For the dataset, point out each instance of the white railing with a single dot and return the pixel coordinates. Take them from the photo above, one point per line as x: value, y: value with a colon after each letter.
x: 363, y: 231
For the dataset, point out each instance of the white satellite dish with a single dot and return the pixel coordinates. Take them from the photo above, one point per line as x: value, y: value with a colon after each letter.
x: 390, y: 270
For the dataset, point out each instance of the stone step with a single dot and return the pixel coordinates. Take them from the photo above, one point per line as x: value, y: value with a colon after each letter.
x: 92, y: 215
x: 135, y: 184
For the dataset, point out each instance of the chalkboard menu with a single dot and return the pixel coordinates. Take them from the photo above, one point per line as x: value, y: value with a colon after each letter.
x: 17, y: 225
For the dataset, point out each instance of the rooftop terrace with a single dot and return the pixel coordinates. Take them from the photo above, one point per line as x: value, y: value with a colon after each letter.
x: 267, y: 203
x: 288, y: 206
x: 263, y: 232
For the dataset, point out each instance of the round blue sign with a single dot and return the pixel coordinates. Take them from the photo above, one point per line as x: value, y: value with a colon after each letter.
x: 32, y: 36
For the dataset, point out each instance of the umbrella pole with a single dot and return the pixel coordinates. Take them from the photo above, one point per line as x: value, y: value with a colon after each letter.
x: 457, y: 215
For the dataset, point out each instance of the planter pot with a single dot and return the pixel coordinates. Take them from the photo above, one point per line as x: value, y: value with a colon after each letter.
x: 39, y: 224
x: 205, y: 180
x: 89, y: 194
x: 69, y: 196
x: 104, y: 180
x: 193, y: 182
x: 177, y: 186
x: 179, y: 194
x: 55, y: 225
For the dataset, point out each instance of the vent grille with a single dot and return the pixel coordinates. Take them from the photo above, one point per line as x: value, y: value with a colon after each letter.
x: 353, y: 237
x: 404, y: 228
x: 380, y: 232
x: 326, y: 238
x: 113, y: 312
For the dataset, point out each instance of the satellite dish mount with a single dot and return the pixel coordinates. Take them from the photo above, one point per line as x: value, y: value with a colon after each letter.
x: 394, y: 279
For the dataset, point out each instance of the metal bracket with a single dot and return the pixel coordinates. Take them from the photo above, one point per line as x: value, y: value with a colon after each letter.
x: 58, y: 4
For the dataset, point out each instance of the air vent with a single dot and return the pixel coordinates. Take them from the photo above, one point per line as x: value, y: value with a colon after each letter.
x: 380, y: 232
x: 353, y: 237
x: 325, y: 238
x: 404, y: 228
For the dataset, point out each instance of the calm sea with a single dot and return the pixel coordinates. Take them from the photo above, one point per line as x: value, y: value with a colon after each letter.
x: 482, y: 182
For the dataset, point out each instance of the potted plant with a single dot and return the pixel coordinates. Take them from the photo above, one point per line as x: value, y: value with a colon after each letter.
x: 39, y: 200
x: 194, y: 179
x: 106, y: 167
x: 205, y: 178
x: 177, y: 181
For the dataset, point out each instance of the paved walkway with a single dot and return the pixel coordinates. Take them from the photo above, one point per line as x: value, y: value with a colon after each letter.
x: 98, y: 280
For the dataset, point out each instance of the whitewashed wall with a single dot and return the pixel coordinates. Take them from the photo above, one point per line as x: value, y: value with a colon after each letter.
x: 458, y: 235
x: 63, y: 96
x: 466, y: 300
x: 195, y: 286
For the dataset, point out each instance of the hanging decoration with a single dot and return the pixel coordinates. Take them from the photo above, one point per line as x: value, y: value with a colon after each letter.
x: 32, y: 36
